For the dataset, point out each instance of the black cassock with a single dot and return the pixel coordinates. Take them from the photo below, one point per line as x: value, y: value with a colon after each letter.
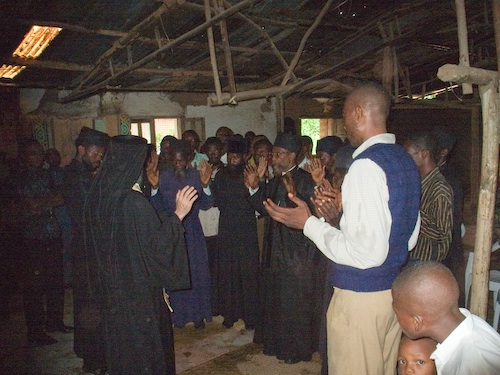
x: 88, y: 343
x: 237, y: 257
x: 293, y: 277
x: 136, y: 255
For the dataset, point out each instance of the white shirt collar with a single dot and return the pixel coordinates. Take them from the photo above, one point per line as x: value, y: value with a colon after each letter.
x: 446, y: 349
x: 379, y: 138
x: 284, y: 173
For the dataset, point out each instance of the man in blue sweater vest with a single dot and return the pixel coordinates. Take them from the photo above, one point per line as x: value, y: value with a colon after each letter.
x: 379, y: 225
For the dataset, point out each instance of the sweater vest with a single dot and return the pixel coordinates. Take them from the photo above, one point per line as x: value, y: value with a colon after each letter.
x: 403, y: 183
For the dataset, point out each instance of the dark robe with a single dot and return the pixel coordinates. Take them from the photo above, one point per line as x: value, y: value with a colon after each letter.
x: 193, y: 305
x: 88, y: 343
x: 237, y: 260
x: 41, y: 257
x: 293, y: 278
x: 136, y: 256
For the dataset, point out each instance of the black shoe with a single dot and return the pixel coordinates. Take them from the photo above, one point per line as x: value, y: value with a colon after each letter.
x: 59, y: 328
x: 199, y: 325
x: 41, y: 339
x: 292, y: 360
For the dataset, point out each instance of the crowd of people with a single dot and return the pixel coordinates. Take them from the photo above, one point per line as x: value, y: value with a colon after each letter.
x: 338, y: 252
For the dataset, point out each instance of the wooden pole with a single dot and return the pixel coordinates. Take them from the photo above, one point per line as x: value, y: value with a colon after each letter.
x: 488, y: 91
x: 126, y: 39
x: 463, y: 44
x: 213, y: 57
x: 272, y: 91
x: 266, y: 36
x: 280, y: 113
x: 173, y: 43
x: 302, y: 45
x: 227, y: 51
x: 486, y: 204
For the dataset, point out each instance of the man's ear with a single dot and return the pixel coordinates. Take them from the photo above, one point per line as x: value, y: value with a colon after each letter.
x: 418, y: 323
x: 443, y: 153
x: 358, y: 112
x: 425, y: 154
x: 80, y: 150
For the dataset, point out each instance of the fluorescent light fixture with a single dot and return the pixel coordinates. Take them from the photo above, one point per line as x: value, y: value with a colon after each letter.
x: 32, y: 46
x: 10, y: 71
x: 35, y: 41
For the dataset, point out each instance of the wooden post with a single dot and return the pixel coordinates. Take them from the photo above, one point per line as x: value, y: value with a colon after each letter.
x: 227, y: 50
x: 475, y: 172
x: 486, y: 204
x: 213, y: 57
x: 488, y: 90
x: 463, y: 45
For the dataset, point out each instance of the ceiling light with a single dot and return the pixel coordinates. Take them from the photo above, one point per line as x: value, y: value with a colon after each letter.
x: 35, y: 41
x: 10, y: 71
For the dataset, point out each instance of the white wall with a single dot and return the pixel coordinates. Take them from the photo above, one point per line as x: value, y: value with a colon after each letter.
x: 256, y: 115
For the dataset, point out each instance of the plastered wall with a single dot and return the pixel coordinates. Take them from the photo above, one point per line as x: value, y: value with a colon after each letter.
x: 66, y: 120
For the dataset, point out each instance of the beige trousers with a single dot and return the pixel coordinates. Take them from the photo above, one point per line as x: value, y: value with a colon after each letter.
x: 363, y: 333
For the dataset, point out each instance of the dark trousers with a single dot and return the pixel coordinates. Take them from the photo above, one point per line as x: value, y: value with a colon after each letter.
x: 43, y: 278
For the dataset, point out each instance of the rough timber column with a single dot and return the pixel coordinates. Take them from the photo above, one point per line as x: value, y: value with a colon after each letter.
x: 488, y: 90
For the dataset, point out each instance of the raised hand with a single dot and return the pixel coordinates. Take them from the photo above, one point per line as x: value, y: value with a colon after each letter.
x: 317, y: 171
x: 152, y: 172
x: 184, y: 200
x: 205, y: 172
x: 289, y: 184
x: 251, y: 176
x: 262, y: 168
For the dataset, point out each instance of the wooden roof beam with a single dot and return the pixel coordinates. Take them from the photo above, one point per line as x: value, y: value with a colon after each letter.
x: 173, y: 43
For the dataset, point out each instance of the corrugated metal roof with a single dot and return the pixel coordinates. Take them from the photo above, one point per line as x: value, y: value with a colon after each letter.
x: 101, y: 39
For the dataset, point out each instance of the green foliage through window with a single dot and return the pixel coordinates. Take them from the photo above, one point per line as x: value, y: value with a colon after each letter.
x: 310, y: 127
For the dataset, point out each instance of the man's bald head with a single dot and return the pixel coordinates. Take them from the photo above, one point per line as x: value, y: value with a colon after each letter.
x: 427, y: 291
x: 375, y: 98
x: 365, y: 112
x: 430, y: 285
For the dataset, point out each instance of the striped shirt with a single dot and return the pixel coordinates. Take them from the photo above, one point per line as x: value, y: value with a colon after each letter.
x: 436, y: 211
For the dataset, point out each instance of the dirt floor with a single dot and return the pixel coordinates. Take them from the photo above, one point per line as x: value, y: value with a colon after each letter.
x: 214, y: 350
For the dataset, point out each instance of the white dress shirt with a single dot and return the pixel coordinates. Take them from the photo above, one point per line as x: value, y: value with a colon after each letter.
x: 472, y: 348
x: 363, y: 239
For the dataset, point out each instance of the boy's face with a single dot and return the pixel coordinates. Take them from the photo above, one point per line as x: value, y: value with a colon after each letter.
x: 413, y: 357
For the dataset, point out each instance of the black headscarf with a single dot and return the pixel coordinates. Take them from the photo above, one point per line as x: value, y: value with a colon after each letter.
x: 120, y: 170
